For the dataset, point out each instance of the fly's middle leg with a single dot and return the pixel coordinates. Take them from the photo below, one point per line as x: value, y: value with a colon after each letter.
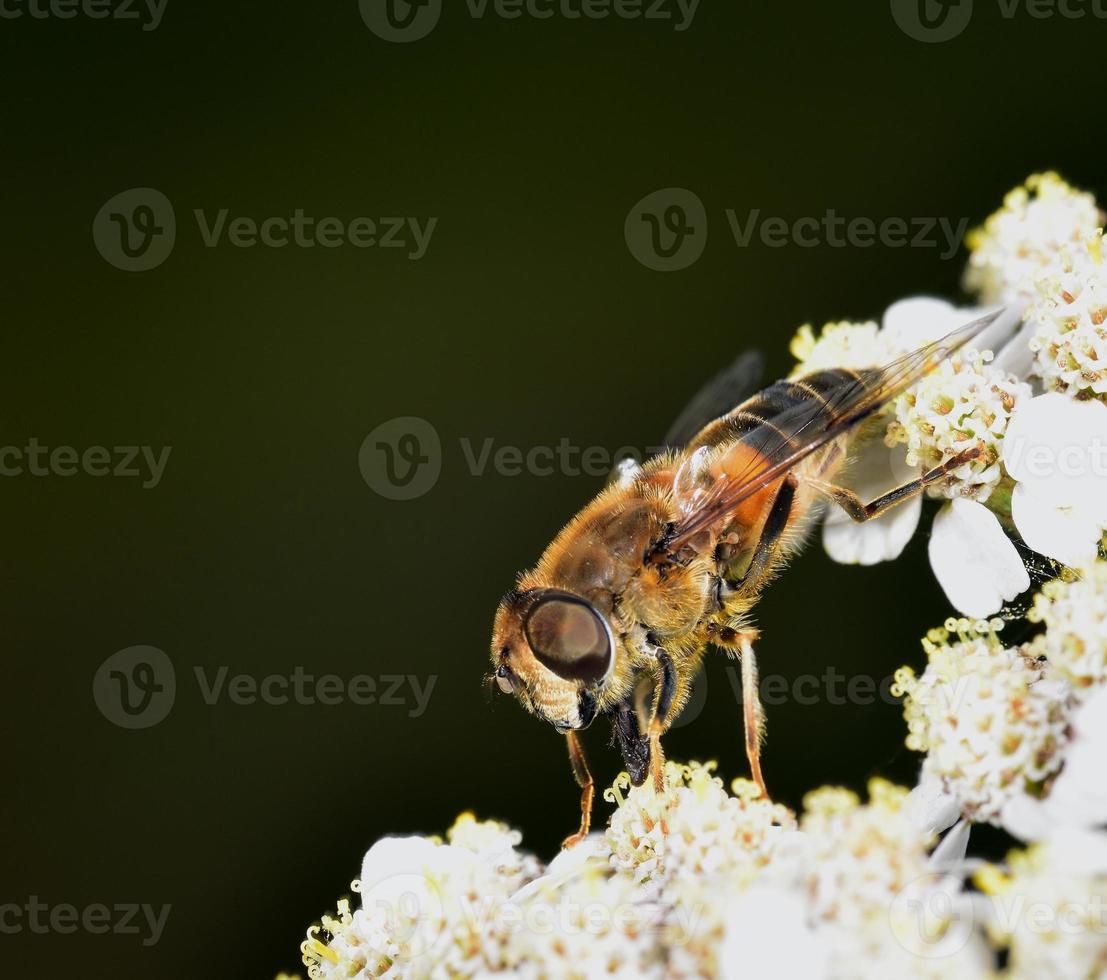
x: 587, y: 787
x: 860, y: 512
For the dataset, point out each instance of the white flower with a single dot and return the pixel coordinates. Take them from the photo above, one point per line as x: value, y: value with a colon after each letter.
x: 930, y: 806
x: 992, y: 726
x: 768, y: 934
x: 875, y: 472
x: 1056, y: 449
x: 1050, y: 911
x: 963, y: 404
x: 1070, y: 321
x: 839, y: 345
x: 695, y: 829
x: 1078, y: 796
x: 977, y: 566
x: 425, y: 906
x: 586, y: 924
x: 1075, y: 640
x: 878, y: 901
x: 1021, y: 242
x: 981, y: 394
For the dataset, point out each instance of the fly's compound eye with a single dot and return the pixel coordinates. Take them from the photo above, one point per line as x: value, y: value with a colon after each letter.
x: 505, y: 679
x: 569, y: 637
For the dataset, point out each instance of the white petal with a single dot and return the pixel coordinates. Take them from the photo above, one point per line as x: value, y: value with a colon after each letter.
x: 395, y: 864
x: 973, y: 560
x: 1090, y: 721
x: 1079, y: 795
x: 951, y: 851
x: 1015, y: 354
x: 1077, y: 851
x: 876, y: 471
x: 1027, y: 818
x: 1058, y: 447
x: 930, y: 807
x: 767, y: 936
x: 917, y: 320
x: 1067, y: 534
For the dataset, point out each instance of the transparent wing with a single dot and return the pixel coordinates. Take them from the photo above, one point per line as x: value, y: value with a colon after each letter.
x: 730, y: 387
x: 791, y: 436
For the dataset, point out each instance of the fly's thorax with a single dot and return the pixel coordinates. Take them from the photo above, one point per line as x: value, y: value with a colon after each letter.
x: 601, y: 549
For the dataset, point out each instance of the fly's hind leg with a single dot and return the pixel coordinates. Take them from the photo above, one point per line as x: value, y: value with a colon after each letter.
x: 860, y: 512
x: 741, y: 640
x: 753, y: 715
x: 587, y: 787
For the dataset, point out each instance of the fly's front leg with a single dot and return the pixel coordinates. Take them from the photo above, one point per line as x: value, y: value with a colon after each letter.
x: 860, y: 512
x: 666, y: 688
x: 587, y: 787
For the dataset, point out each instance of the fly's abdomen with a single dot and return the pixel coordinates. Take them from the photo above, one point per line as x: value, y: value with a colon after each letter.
x: 783, y: 414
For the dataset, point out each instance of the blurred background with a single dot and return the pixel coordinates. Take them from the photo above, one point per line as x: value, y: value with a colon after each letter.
x: 199, y: 446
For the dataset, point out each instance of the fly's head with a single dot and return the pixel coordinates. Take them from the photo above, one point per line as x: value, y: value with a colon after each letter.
x: 554, y: 650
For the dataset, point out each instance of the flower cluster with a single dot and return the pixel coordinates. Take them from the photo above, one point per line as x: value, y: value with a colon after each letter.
x: 1030, y: 410
x: 732, y: 887
x: 1070, y: 321
x: 699, y: 830
x: 964, y: 404
x: 991, y: 722
x: 1019, y: 244
x: 1048, y: 907
x: 1074, y: 612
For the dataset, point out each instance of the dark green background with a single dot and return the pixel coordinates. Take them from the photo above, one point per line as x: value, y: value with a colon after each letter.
x: 527, y: 321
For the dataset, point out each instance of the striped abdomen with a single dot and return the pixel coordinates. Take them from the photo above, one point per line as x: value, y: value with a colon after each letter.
x: 787, y: 413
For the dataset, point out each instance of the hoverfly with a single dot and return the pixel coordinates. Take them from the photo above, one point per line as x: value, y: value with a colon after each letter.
x: 672, y: 556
